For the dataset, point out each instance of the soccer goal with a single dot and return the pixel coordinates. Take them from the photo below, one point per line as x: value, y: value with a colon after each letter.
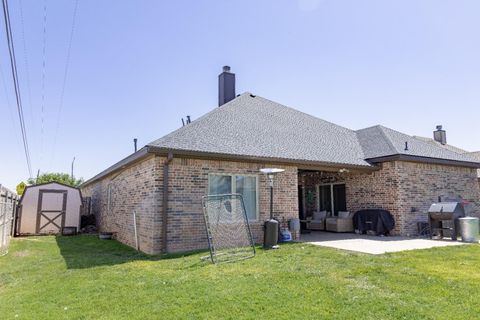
x: 228, y: 231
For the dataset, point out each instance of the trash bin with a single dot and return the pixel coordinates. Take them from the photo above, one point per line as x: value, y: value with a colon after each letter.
x: 270, y: 238
x: 469, y: 229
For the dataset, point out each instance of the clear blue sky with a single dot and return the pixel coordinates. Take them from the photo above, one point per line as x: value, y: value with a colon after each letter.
x: 138, y: 67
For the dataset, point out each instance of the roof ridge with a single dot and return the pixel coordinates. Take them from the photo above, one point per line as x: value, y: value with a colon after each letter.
x: 384, y: 134
x: 387, y: 138
x: 370, y: 127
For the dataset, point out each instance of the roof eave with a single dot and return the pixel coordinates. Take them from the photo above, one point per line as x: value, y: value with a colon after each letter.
x: 405, y: 157
x: 235, y: 157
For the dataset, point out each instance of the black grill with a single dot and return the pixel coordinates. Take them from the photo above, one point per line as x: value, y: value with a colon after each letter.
x: 443, y: 216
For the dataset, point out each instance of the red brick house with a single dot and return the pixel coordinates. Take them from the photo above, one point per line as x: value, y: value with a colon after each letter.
x: 327, y: 167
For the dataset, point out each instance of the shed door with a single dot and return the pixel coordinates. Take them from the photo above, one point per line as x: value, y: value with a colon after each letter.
x: 52, y: 205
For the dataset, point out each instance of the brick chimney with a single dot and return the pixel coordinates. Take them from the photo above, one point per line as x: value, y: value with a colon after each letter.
x: 440, y: 135
x: 226, y: 86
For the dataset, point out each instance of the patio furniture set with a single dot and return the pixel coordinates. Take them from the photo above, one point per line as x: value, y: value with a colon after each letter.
x: 371, y: 221
x: 320, y: 221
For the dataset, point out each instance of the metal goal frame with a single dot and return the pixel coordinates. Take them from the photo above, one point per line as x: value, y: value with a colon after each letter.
x: 227, y: 253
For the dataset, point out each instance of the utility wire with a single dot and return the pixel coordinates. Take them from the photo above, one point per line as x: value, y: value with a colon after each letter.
x: 65, y: 74
x: 13, y: 64
x: 25, y: 58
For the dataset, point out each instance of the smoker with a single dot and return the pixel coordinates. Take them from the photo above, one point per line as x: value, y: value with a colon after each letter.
x: 443, y: 216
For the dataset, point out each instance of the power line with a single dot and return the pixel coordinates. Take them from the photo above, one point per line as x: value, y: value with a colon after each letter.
x: 13, y: 63
x: 25, y: 58
x: 67, y: 65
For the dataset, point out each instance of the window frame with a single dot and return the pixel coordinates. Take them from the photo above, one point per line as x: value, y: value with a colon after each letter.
x: 234, y: 189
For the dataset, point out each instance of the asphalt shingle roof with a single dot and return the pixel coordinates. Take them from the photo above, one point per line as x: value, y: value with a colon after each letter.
x: 253, y: 126
x: 256, y: 127
x: 446, y: 146
x: 379, y: 141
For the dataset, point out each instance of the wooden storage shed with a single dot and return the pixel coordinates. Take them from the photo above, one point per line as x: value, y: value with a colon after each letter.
x: 48, y: 209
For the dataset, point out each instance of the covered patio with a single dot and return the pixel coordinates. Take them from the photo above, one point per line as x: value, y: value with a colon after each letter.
x: 372, y: 244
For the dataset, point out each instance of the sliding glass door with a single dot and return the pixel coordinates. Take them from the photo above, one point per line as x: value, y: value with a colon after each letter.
x: 325, y: 198
x: 332, y: 198
x: 339, y: 198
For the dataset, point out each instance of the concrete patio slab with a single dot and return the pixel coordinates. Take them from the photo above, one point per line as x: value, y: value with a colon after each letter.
x: 372, y: 244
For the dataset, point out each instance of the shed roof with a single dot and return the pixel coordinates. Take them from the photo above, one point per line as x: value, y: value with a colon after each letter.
x: 48, y: 185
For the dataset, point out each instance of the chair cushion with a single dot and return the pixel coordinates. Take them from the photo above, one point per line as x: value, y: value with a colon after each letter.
x: 343, y: 214
x: 319, y: 215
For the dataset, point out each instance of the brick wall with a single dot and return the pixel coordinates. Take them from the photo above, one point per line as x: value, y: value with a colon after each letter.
x: 188, y: 182
x: 422, y: 184
x: 376, y: 190
x: 138, y: 187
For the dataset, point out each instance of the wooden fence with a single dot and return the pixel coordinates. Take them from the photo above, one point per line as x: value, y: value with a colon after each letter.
x: 8, y: 206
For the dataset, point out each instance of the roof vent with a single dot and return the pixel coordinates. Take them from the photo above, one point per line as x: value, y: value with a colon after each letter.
x: 440, y: 135
x: 226, y: 86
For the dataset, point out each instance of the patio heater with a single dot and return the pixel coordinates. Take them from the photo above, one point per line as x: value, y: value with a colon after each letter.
x: 270, y: 238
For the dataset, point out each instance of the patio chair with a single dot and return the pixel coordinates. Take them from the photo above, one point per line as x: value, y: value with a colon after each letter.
x: 317, y: 221
x: 342, y: 223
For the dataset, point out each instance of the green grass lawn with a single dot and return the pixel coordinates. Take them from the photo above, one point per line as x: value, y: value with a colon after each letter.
x: 85, y: 278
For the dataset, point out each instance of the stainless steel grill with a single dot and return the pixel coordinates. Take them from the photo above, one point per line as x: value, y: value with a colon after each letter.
x: 443, y: 216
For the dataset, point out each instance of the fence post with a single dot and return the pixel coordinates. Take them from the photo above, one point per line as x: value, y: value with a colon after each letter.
x: 14, y: 215
x: 7, y: 199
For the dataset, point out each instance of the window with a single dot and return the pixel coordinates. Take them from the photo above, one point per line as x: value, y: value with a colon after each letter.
x: 246, y: 185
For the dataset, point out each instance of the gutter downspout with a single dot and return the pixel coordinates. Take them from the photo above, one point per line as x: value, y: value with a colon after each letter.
x: 166, y: 164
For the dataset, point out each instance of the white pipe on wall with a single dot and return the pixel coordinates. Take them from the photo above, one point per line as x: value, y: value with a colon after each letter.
x: 135, y: 230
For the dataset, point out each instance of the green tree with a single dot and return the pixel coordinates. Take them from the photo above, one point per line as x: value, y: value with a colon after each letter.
x: 21, y: 188
x: 64, y: 178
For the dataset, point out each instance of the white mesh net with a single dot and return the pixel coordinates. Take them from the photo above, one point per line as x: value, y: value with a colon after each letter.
x: 228, y: 231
